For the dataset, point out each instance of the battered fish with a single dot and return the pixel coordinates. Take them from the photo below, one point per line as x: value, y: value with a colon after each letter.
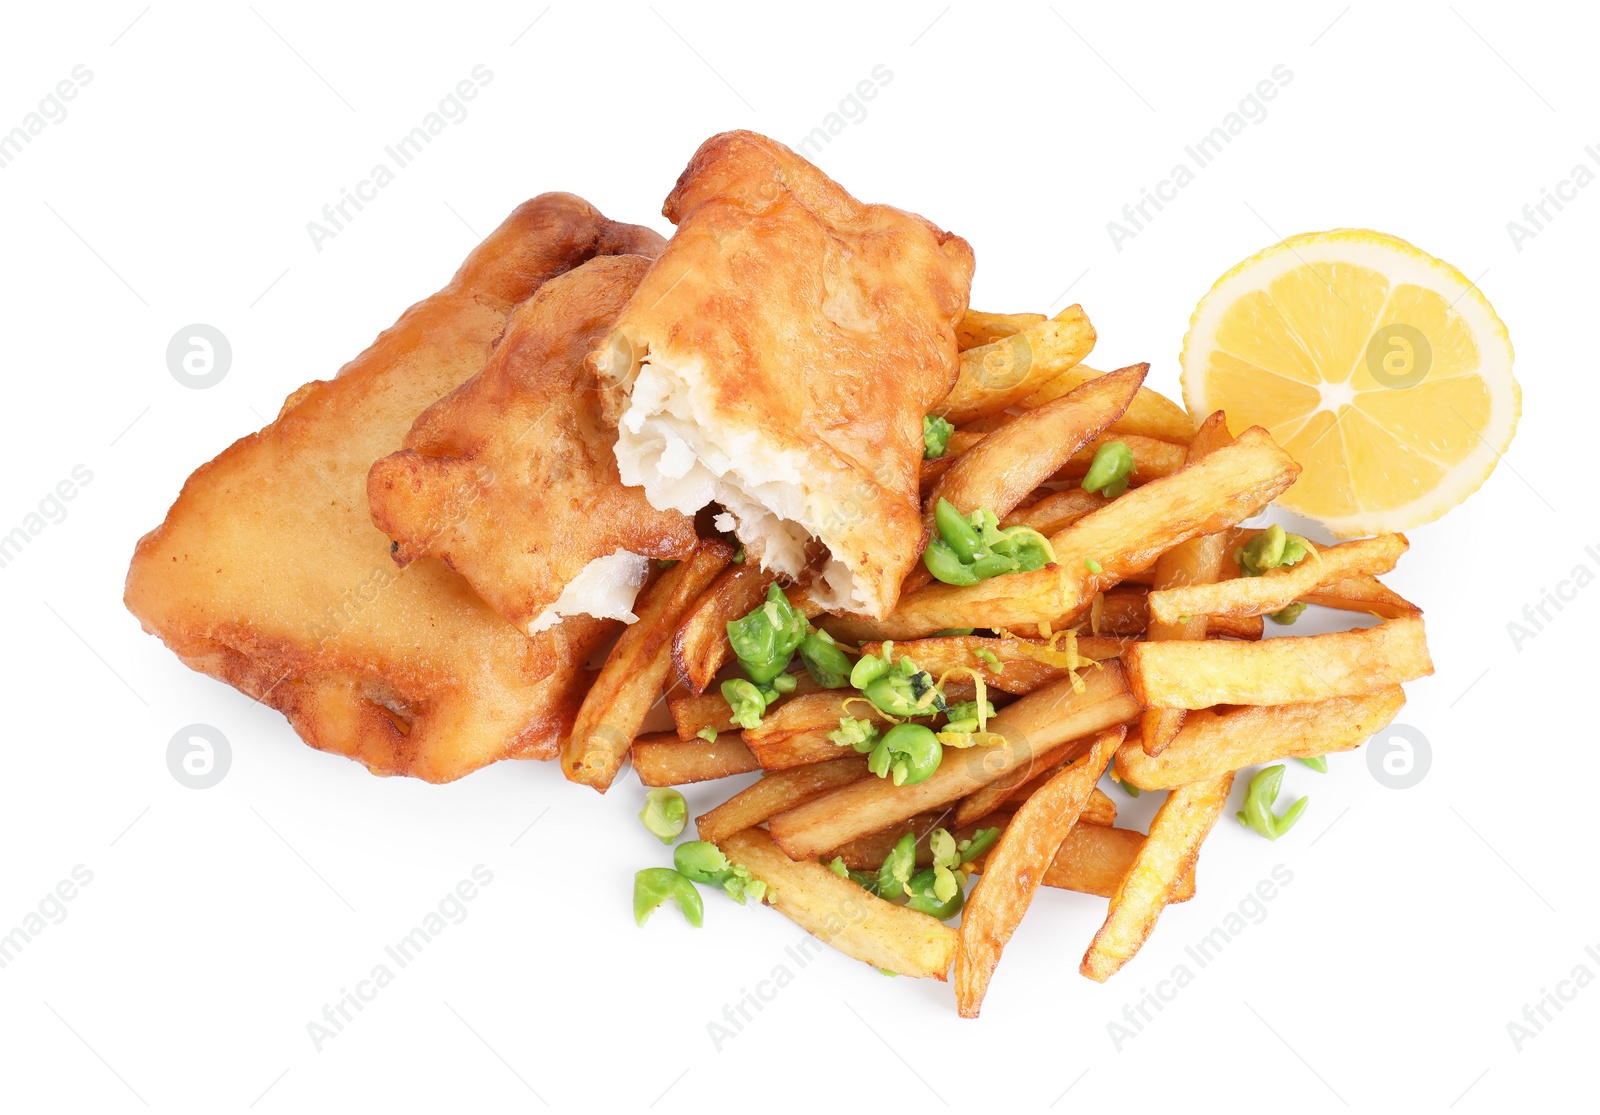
x: 269, y: 574
x: 778, y: 360
x: 512, y: 481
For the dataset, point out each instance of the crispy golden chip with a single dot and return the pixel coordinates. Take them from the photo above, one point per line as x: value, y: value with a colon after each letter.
x: 775, y: 793
x: 1278, y: 671
x: 1168, y: 854
x: 1212, y: 743
x: 1093, y: 858
x: 662, y: 759
x: 796, y: 749
x: 1278, y: 588
x: 1151, y: 413
x: 1017, y: 866
x: 631, y: 679
x: 978, y: 328
x: 1031, y: 726
x: 1055, y: 512
x: 693, y: 715
x: 1363, y: 594
x: 1152, y: 458
x: 1024, y: 664
x: 997, y: 375
x: 1005, y: 467
x: 269, y: 574
x: 1127, y: 535
x: 840, y: 913
x: 1012, y: 790
x: 700, y: 648
x: 1198, y: 561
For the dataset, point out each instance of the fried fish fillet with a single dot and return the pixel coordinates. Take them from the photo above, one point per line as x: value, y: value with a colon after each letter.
x: 269, y: 574
x: 779, y: 358
x: 511, y: 479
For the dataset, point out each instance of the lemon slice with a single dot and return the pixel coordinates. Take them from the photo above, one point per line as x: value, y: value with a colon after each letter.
x: 1379, y: 368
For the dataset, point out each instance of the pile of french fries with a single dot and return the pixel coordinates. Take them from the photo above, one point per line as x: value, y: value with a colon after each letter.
x: 1164, y: 675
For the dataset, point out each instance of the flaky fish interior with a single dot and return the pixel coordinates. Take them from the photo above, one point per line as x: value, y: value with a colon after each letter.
x: 778, y: 360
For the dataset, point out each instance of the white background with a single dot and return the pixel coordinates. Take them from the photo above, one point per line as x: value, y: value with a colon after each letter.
x: 219, y: 922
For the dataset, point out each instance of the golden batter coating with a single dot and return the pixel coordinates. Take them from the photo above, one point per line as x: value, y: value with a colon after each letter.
x: 779, y: 358
x: 269, y: 574
x: 511, y: 480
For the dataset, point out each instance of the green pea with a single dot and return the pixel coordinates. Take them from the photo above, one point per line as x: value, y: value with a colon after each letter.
x: 765, y: 640
x: 988, y: 658
x: 869, y: 668
x: 934, y: 891
x: 866, y: 880
x: 746, y: 703
x: 784, y: 683
x: 837, y: 867
x: 1257, y: 813
x: 1093, y: 566
x: 958, y: 533
x: 891, y: 695
x: 981, y: 842
x: 1318, y: 763
x: 828, y: 666
x: 703, y: 862
x: 860, y: 734
x: 914, y: 753
x: 664, y: 814
x: 1031, y: 550
x: 1271, y: 549
x: 898, y: 867
x: 654, y: 885
x: 952, y: 631
x: 1108, y: 472
x: 942, y: 561
x: 700, y: 861
x: 935, y: 437
x: 1288, y: 614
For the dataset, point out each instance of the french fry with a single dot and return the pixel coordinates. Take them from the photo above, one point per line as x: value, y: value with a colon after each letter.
x: 1005, y: 467
x: 700, y: 647
x: 1055, y: 512
x: 842, y: 914
x: 1180, y: 826
x: 1201, y: 560
x: 1152, y: 458
x: 1006, y: 371
x: 662, y: 759
x: 1031, y: 725
x: 1017, y: 866
x: 775, y: 793
x: 1278, y: 671
x: 692, y: 715
x: 1363, y: 594
x: 1101, y: 810
x: 796, y: 749
x: 631, y: 679
x: 1211, y: 743
x: 1124, y: 615
x: 1151, y: 414
x: 1126, y: 535
x: 1025, y: 664
x: 1278, y: 588
x: 1093, y: 858
x: 978, y: 328
x: 992, y: 796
